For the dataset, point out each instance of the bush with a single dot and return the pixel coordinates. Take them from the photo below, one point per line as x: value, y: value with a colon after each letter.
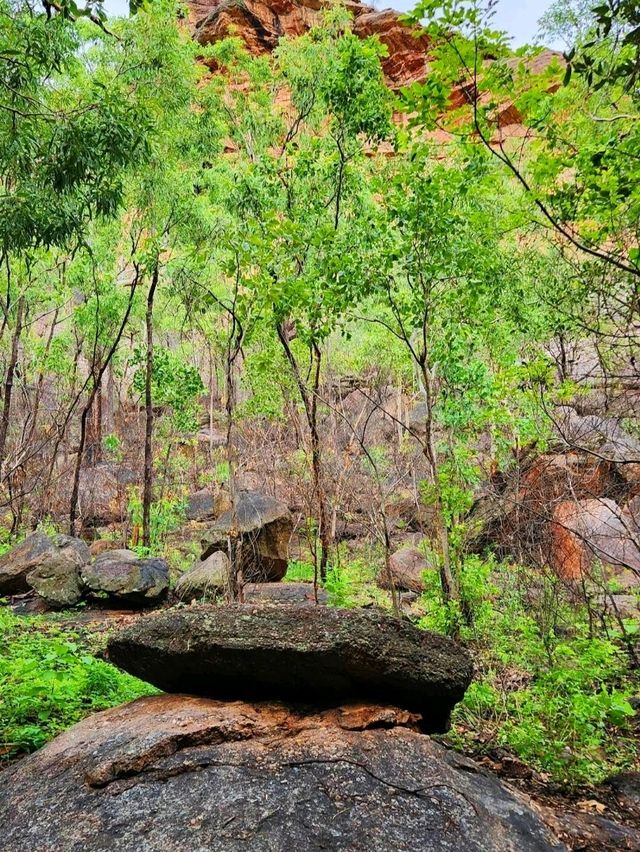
x: 49, y: 680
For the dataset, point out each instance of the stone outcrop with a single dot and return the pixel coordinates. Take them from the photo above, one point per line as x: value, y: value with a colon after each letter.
x: 406, y: 567
x: 51, y: 566
x: 315, y: 654
x: 123, y: 576
x: 201, y: 505
x: 588, y: 530
x: 261, y: 24
x: 174, y: 773
x: 570, y: 508
x: 263, y: 527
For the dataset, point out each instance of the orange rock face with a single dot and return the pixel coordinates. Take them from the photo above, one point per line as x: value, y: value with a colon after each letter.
x: 261, y: 24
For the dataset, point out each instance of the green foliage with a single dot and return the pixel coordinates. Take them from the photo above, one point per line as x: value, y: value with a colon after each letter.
x: 167, y: 515
x: 298, y: 572
x: 49, y: 680
x: 174, y: 383
x: 544, y: 688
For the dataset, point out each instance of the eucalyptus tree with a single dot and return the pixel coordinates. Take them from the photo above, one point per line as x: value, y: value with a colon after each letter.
x: 447, y: 281
x: 573, y: 168
x: 302, y: 192
x: 68, y: 135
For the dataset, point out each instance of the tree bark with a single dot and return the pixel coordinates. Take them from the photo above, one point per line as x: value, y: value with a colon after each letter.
x: 310, y: 404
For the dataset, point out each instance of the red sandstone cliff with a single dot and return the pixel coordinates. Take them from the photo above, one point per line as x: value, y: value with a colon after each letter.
x: 262, y: 22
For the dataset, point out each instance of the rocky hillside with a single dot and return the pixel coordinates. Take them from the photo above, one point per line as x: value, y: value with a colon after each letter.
x: 260, y: 23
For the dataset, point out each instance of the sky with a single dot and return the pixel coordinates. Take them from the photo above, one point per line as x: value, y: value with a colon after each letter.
x: 519, y: 18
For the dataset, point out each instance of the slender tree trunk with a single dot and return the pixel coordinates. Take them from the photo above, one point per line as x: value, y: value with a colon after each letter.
x: 234, y: 540
x: 8, y: 385
x: 448, y: 579
x: 73, y: 507
x: 324, y: 529
x: 148, y: 407
x: 310, y: 404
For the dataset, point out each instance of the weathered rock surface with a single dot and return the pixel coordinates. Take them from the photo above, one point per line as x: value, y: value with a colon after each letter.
x: 407, y: 566
x: 123, y: 575
x: 48, y: 565
x: 201, y: 505
x: 261, y: 24
x: 264, y: 527
x: 16, y: 563
x: 315, y: 654
x: 206, y: 579
x: 588, y: 530
x: 57, y: 578
x: 171, y: 773
x: 285, y: 593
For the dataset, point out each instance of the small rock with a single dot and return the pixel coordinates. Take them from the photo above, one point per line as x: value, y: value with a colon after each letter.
x: 206, y: 579
x: 201, y: 506
x: 407, y: 567
x: 51, y: 566
x: 57, y: 578
x: 20, y: 560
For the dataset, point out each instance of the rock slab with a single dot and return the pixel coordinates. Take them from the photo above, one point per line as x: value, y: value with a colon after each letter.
x: 178, y: 774
x: 304, y: 654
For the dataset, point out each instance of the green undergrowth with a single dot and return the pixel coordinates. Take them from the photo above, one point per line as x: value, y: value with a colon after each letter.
x: 550, y: 686
x: 49, y: 680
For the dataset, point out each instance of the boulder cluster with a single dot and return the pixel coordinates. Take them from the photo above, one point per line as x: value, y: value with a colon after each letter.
x: 261, y: 526
x: 286, y: 728
x: 63, y: 571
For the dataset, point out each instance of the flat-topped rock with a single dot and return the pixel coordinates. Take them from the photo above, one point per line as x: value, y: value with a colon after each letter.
x: 123, y: 576
x: 174, y: 773
x: 291, y: 652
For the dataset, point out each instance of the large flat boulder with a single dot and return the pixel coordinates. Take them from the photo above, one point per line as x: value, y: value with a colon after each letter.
x: 263, y: 527
x: 50, y: 565
x: 286, y: 651
x: 173, y: 773
x: 124, y: 576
